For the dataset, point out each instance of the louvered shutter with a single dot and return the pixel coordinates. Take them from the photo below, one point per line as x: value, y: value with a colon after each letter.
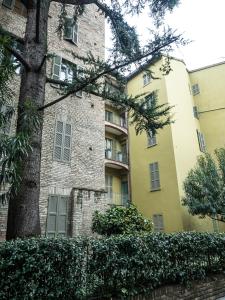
x: 52, y: 216
x: 75, y: 33
x: 158, y: 223
x: 67, y: 142
x: 68, y: 29
x: 62, y: 216
x: 154, y: 174
x: 56, y: 68
x: 8, y: 3
x: 58, y: 149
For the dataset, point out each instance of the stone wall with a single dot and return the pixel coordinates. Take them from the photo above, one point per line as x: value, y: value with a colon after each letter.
x: 85, y: 114
x: 211, y: 288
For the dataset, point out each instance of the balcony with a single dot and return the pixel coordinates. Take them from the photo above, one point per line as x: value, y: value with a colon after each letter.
x: 116, y: 124
x: 118, y: 199
x: 116, y: 159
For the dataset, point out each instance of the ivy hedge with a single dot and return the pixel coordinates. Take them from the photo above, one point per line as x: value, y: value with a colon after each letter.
x: 117, y: 267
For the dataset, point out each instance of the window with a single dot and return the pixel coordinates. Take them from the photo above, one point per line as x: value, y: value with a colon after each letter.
x: 66, y: 71
x: 108, y: 116
x: 16, y: 5
x: 108, y: 148
x: 151, y: 139
x: 150, y: 100
x: 62, y: 147
x: 109, y: 187
x: 146, y: 78
x: 195, y: 111
x: 201, y: 141
x: 71, y: 30
x: 154, y: 174
x: 57, y: 216
x: 195, y: 89
x: 158, y: 222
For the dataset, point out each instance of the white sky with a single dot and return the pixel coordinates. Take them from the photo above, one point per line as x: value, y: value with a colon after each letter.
x: 203, y: 22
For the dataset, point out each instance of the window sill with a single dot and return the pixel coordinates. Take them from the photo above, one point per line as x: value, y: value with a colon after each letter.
x: 150, y: 146
x: 146, y: 84
x: 156, y: 190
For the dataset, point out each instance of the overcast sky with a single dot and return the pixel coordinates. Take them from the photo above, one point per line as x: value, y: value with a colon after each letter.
x: 203, y: 22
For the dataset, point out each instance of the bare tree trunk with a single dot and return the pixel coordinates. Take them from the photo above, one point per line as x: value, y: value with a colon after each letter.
x: 23, y: 212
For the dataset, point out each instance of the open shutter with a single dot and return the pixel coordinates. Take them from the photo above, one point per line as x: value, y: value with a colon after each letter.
x: 58, y: 148
x: 75, y: 33
x: 52, y: 216
x: 8, y: 3
x: 56, y: 68
x: 80, y: 75
x: 67, y: 142
x: 62, y: 216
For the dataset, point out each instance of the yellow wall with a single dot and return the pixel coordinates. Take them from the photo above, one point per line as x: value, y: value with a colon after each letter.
x: 177, y: 146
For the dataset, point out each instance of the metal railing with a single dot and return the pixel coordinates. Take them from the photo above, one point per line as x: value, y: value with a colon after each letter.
x: 116, y: 155
x: 117, y: 199
x: 117, y: 120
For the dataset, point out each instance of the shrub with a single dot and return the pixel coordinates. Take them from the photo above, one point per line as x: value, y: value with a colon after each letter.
x: 120, y: 220
x: 118, y: 266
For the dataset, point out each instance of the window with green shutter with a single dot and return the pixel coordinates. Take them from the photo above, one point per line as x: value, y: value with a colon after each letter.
x: 71, y: 30
x: 154, y: 174
x: 57, y: 216
x: 62, y: 146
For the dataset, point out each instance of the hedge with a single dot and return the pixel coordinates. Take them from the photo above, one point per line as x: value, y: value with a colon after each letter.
x: 99, y: 268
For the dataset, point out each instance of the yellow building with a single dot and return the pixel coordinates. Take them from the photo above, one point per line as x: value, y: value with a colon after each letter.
x: 160, y: 163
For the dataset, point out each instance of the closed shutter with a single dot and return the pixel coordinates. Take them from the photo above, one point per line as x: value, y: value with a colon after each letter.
x: 57, y: 216
x: 56, y: 68
x: 67, y: 142
x: 154, y: 174
x: 8, y: 3
x: 158, y: 222
x: 58, y: 149
x: 52, y: 216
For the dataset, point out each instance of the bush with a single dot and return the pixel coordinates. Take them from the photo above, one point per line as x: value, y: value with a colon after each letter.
x: 118, y: 266
x: 120, y: 220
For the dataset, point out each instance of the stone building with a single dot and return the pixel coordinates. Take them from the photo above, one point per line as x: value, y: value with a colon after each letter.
x: 73, y: 142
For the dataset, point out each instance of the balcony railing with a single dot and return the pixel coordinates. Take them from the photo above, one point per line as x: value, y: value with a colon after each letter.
x: 113, y: 154
x: 117, y: 120
x: 117, y: 199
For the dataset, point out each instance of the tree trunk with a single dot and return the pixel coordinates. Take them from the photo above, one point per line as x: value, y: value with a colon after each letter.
x: 23, y: 212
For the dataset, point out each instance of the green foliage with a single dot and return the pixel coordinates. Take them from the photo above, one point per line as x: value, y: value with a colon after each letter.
x: 120, y: 220
x: 118, y: 267
x: 204, y: 187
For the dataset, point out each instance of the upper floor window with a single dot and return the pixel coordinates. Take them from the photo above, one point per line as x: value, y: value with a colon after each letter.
x: 66, y: 71
x: 201, y: 141
x: 146, y: 78
x: 71, y: 30
x: 16, y: 5
x: 151, y: 139
x: 150, y: 100
x: 62, y: 145
x: 154, y: 175
x: 195, y: 111
x: 109, y: 116
x: 195, y: 89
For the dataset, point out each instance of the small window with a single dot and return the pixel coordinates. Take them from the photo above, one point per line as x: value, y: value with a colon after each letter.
x: 151, y: 139
x: 195, y: 89
x: 195, y: 111
x: 71, y: 30
x: 158, y: 223
x: 62, y: 146
x: 57, y: 216
x: 109, y: 116
x: 146, y: 78
x: 201, y: 141
x: 154, y: 175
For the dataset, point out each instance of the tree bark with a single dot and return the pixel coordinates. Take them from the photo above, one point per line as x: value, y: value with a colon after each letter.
x: 23, y: 212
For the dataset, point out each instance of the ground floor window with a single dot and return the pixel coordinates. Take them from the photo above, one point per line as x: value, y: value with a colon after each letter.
x: 57, y: 216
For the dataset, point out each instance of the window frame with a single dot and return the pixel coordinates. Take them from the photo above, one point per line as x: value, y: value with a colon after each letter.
x: 146, y: 79
x: 74, y: 27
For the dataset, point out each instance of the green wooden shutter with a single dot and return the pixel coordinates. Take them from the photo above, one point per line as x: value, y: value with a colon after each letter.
x: 56, y: 68
x: 58, y: 147
x: 62, y: 216
x: 68, y: 29
x: 8, y: 3
x: 52, y: 216
x: 67, y: 142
